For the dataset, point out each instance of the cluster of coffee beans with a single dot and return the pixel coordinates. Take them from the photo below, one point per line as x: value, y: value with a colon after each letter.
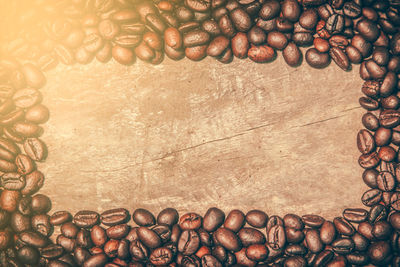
x: 358, y: 238
x: 36, y: 35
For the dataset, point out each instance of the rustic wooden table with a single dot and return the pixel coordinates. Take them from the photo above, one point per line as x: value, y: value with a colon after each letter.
x: 192, y: 135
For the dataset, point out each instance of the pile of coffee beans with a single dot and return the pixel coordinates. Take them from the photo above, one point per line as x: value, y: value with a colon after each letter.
x: 37, y: 35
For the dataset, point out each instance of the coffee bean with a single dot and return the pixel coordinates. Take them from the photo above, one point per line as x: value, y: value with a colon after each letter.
x: 261, y: 54
x: 143, y: 217
x: 240, y: 45
x: 277, y: 40
x: 33, y: 76
x: 235, y: 220
x: 217, y: 46
x: 368, y: 161
x: 343, y: 245
x: 149, y: 237
x: 189, y: 242
x: 291, y: 10
x: 114, y: 216
x: 276, y: 237
x: 213, y: 219
x: 123, y: 55
x: 250, y: 236
x: 327, y: 232
x: 257, y: 218
x: 365, y: 142
x: 226, y: 26
x: 228, y: 239
x: 378, y: 251
x: 368, y: 30
x: 316, y: 59
x: 35, y: 149
x: 168, y: 216
x: 86, y: 218
x: 240, y: 19
x: 270, y: 10
x: 340, y: 58
x: 371, y: 197
x: 196, y: 53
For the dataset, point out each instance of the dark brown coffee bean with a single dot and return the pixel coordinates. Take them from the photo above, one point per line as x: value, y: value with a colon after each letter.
x: 376, y: 71
x: 343, y: 245
x: 86, y: 218
x: 387, y: 153
x: 114, y: 216
x: 217, y: 46
x: 213, y: 219
x: 270, y: 10
x: 370, y: 121
x: 277, y: 40
x: 96, y: 260
x: 12, y: 181
x: 276, y: 237
x: 389, y: 118
x: 313, y: 241
x: 316, y: 59
x: 226, y: 26
x: 240, y: 45
x: 161, y: 256
x: 28, y: 255
x: 240, y: 19
x: 368, y: 30
x: 69, y: 230
x: 388, y: 84
x: 228, y: 239
x: 308, y: 19
x: 368, y: 161
x: 291, y: 10
x: 143, y: 217
x: 52, y: 251
x: 340, y: 58
x: 327, y: 232
x: 292, y: 55
x: 256, y: 35
x: 371, y: 197
x: 261, y: 54
x: 361, y: 45
x: 118, y: 231
x: 189, y: 242
x: 173, y: 53
x: 378, y: 251
x: 365, y: 142
x: 196, y: 53
x: 353, y: 54
x: 257, y: 218
x: 98, y: 235
x: 249, y: 236
x: 196, y: 38
x: 168, y: 216
x: 257, y: 252
x: 355, y: 215
x: 148, y: 237
x: 395, y: 201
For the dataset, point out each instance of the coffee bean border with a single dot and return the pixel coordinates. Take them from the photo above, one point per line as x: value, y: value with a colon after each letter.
x: 46, y: 33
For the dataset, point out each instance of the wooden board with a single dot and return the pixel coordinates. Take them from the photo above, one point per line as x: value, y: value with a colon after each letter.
x: 192, y: 135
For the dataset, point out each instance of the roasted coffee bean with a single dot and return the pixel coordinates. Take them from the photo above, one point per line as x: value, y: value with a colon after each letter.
x: 196, y: 53
x: 371, y: 197
x: 189, y: 242
x: 35, y: 149
x: 33, y: 182
x: 143, y: 217
x: 261, y: 54
x: 291, y: 10
x: 12, y: 181
x: 276, y: 237
x: 86, y: 218
x: 123, y: 55
x: 340, y: 58
x: 270, y: 9
x: 368, y: 161
x: 240, y: 19
x: 327, y: 232
x: 365, y: 142
x: 250, y: 236
x: 355, y: 215
x: 368, y: 30
x: 386, y: 181
x: 114, y: 216
x: 213, y: 219
x: 383, y: 136
x: 27, y: 97
x: 316, y: 59
x: 378, y: 251
x: 292, y: 55
x: 313, y: 241
x: 217, y: 46
x: 228, y: 239
x: 363, y: 46
x: 149, y: 237
x: 257, y: 218
x: 240, y: 45
x: 277, y: 40
x: 168, y: 216
x: 343, y: 245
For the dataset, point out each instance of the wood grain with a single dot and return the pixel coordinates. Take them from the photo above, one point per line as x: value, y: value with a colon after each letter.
x: 192, y: 135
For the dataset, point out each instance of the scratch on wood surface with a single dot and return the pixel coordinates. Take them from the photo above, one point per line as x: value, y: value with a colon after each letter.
x: 169, y: 154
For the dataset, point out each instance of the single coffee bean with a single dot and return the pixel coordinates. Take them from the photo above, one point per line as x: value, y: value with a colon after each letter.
x: 316, y: 59
x: 335, y: 24
x: 362, y: 45
x: 143, y: 217
x: 308, y: 19
x: 217, y: 46
x: 240, y: 45
x: 327, y: 232
x: 12, y: 181
x: 27, y: 97
x: 378, y: 251
x: 161, y: 256
x: 292, y: 55
x: 148, y: 237
x: 371, y: 197
x: 257, y: 218
x: 240, y: 19
x: 35, y: 149
x: 370, y: 121
x: 368, y: 30
x: 86, y: 218
x: 383, y: 136
x: 196, y: 53
x: 276, y: 237
x: 226, y: 26
x: 189, y: 242
x: 114, y: 216
x: 340, y: 58
x: 387, y: 153
x: 69, y: 230
x: 168, y: 216
x: 213, y: 219
x: 343, y: 245
x: 33, y: 76
x: 256, y: 35
x: 261, y: 54
x: 118, y: 231
x: 249, y: 236
x: 277, y: 40
x: 313, y: 241
x: 365, y: 142
x: 228, y: 239
x: 368, y: 161
x: 270, y: 9
x: 355, y: 215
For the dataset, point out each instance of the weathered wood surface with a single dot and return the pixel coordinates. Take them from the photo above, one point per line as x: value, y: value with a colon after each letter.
x: 192, y: 135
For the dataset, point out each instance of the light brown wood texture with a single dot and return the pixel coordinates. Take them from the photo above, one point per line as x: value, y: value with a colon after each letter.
x: 192, y: 135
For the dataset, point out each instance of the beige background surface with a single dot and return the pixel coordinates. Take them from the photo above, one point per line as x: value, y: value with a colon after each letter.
x: 192, y: 135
